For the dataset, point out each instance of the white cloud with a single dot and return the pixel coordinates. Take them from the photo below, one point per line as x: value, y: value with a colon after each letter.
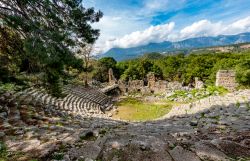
x: 113, y: 28
x: 152, y: 7
x: 208, y: 28
x: 239, y: 26
x: 200, y: 28
x: 163, y: 32
x: 157, y: 33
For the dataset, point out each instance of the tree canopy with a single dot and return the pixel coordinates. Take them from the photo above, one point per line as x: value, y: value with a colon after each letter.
x: 51, y: 31
x: 102, y: 67
x: 184, y: 68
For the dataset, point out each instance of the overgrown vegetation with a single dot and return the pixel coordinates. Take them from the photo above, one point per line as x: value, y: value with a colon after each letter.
x: 181, y: 67
x: 196, y: 94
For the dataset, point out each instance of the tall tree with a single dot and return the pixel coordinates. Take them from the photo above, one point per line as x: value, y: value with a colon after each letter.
x: 84, y: 53
x: 52, y: 30
x: 103, y: 66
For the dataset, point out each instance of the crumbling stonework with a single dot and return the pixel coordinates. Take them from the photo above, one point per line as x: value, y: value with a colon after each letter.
x: 153, y: 85
x: 198, y: 84
x: 226, y: 78
x: 151, y: 80
x: 160, y: 87
x: 223, y: 131
x: 112, y: 79
x: 123, y: 86
x: 174, y: 86
x: 135, y: 85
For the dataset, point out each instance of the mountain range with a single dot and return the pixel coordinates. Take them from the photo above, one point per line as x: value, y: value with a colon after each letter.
x: 120, y: 54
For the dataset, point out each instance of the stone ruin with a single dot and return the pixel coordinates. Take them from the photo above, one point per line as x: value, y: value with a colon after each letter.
x: 151, y: 80
x: 112, y: 79
x: 148, y: 86
x: 226, y: 78
x: 198, y: 83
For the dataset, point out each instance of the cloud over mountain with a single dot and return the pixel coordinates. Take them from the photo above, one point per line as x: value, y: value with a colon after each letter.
x: 167, y: 32
x: 152, y: 34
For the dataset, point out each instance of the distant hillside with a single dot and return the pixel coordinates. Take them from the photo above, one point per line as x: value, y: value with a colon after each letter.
x: 128, y: 53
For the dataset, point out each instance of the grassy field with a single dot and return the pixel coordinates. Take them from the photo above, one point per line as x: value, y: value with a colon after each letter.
x: 135, y: 110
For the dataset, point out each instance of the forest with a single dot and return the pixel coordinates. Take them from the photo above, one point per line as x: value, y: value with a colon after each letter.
x: 179, y: 67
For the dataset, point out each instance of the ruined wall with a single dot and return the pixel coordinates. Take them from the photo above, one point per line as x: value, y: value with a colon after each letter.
x: 174, y: 86
x: 153, y: 86
x: 135, y: 85
x: 226, y: 78
x: 160, y: 87
x: 198, y: 84
x: 123, y: 86
x: 151, y: 80
x: 112, y: 79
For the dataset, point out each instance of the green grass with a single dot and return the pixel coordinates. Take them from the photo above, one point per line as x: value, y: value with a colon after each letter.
x: 135, y: 110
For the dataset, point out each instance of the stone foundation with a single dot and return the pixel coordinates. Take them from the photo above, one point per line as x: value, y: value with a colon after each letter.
x: 226, y: 78
x: 152, y: 86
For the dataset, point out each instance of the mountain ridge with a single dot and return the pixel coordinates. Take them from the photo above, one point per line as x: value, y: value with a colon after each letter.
x: 120, y: 54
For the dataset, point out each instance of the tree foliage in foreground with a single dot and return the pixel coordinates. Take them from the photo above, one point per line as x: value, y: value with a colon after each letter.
x: 50, y: 31
x: 11, y: 53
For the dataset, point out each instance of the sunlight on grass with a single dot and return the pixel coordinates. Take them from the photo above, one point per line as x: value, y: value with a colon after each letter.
x: 135, y: 110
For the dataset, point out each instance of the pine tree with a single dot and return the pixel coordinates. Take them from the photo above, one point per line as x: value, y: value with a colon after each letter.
x: 52, y: 30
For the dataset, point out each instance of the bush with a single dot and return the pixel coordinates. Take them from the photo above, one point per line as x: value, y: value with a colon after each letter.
x: 194, y: 94
x: 243, y: 73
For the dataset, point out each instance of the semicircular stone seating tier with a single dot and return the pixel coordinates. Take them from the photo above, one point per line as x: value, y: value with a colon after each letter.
x: 93, y: 94
x: 78, y: 101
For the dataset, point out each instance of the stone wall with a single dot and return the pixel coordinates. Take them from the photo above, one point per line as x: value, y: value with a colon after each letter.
x: 226, y: 78
x: 123, y: 86
x: 198, y: 84
x: 160, y: 87
x: 151, y: 80
x: 153, y: 85
x: 135, y: 85
x: 112, y: 79
x: 174, y: 86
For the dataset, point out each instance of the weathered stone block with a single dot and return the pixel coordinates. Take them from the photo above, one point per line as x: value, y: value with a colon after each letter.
x: 226, y: 78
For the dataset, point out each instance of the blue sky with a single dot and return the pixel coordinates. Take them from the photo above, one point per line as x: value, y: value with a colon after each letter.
x: 130, y: 23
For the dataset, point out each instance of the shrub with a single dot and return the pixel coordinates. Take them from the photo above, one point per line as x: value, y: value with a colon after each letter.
x: 243, y: 73
x: 194, y: 94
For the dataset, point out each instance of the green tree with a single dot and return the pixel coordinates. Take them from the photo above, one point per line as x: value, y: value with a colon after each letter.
x: 243, y: 73
x: 121, y: 67
x: 11, y: 53
x: 171, y: 67
x: 103, y: 66
x: 198, y: 66
x: 51, y: 30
